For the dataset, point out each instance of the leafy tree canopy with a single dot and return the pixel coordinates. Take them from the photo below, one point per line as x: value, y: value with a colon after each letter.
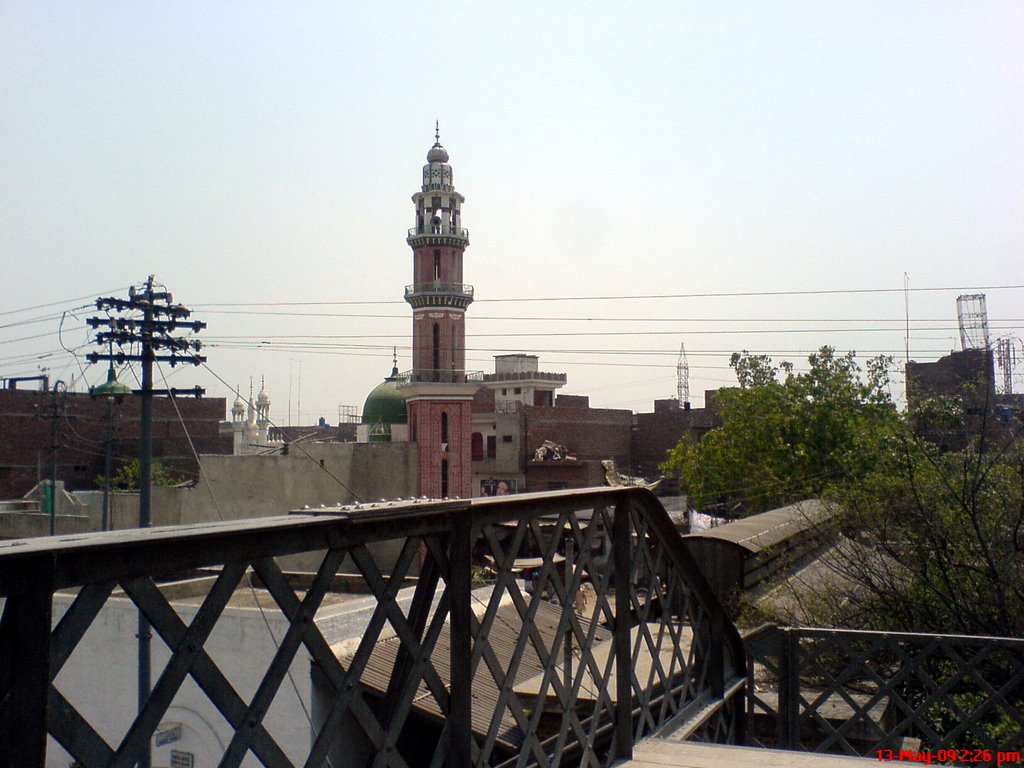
x: 127, y: 477
x: 929, y: 532
x: 928, y: 541
x: 785, y: 435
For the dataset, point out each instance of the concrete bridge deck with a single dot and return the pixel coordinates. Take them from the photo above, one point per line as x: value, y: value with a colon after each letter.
x: 665, y: 753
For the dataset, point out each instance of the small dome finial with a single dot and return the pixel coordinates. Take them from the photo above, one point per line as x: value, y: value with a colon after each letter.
x: 394, y: 360
x: 437, y: 153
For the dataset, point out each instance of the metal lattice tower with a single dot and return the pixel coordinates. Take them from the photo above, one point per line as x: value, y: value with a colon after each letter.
x: 683, y: 378
x: 1006, y: 359
x: 973, y: 320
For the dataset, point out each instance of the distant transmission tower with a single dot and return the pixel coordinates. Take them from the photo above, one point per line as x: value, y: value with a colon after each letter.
x: 683, y: 379
x: 973, y: 319
x: 1006, y: 359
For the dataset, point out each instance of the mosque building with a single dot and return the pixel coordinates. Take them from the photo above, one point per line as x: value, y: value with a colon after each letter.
x: 503, y: 432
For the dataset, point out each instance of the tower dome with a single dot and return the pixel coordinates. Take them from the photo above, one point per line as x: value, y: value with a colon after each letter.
x: 238, y: 408
x: 384, y: 407
x: 437, y: 153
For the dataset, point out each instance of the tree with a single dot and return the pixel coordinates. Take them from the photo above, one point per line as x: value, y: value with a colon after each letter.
x: 786, y: 436
x: 126, y: 478
x: 929, y: 540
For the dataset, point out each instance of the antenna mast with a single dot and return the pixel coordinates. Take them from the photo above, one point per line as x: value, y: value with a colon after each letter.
x: 683, y: 379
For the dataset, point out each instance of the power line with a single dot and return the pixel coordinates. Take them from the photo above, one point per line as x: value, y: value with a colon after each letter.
x: 631, y: 297
x: 543, y: 334
x: 90, y: 296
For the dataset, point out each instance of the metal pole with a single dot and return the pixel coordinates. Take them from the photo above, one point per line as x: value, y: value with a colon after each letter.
x: 460, y: 729
x: 53, y: 469
x: 145, y: 499
x: 569, y: 606
x: 107, y: 461
x: 621, y: 550
x: 57, y: 387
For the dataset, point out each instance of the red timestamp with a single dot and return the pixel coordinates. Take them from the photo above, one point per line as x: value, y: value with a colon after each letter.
x: 948, y: 756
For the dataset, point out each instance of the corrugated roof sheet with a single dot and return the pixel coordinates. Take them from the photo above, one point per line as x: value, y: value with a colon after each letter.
x: 758, y: 532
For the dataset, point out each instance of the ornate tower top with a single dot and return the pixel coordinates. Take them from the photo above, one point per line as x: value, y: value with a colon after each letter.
x: 438, y: 240
x: 437, y: 153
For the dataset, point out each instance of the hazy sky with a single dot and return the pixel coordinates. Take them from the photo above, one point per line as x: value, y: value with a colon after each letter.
x: 749, y: 175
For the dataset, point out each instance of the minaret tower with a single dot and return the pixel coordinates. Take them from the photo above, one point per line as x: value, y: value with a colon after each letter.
x: 438, y: 391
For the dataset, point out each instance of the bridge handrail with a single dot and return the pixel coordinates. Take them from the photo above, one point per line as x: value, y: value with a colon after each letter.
x: 672, y: 658
x: 949, y: 694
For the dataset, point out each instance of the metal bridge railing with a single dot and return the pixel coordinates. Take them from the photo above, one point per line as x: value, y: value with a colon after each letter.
x: 880, y: 694
x: 596, y: 630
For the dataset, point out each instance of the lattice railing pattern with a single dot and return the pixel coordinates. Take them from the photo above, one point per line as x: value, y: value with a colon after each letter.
x: 859, y: 692
x: 595, y: 629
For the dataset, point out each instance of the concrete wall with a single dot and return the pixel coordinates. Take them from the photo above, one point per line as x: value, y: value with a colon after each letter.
x: 241, y: 487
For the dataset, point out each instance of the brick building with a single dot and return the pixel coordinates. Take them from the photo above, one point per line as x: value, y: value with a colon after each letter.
x: 517, y: 412
x: 655, y: 434
x: 968, y: 378
x: 27, y: 427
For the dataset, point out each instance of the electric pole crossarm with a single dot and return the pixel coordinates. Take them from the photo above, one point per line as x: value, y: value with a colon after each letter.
x: 147, y: 304
x: 95, y: 357
x: 126, y: 337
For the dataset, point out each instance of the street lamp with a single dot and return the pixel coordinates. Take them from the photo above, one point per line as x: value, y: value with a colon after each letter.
x: 113, y: 391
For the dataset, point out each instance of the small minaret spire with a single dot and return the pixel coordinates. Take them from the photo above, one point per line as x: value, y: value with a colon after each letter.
x: 437, y: 131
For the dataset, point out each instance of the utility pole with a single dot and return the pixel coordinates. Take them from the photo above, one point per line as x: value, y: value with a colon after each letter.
x: 148, y: 318
x: 58, y: 389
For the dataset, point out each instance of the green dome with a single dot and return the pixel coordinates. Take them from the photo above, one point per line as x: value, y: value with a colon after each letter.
x: 384, y: 406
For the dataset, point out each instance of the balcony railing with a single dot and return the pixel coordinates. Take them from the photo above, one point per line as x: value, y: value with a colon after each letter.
x: 440, y: 229
x: 614, y: 635
x: 439, y: 376
x: 438, y: 289
x: 512, y: 376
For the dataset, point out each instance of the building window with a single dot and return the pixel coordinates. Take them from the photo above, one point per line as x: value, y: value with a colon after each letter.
x: 506, y: 438
x: 477, y: 446
x: 444, y: 427
x: 444, y: 478
x: 518, y: 390
x: 504, y: 391
x: 492, y: 447
x: 437, y: 264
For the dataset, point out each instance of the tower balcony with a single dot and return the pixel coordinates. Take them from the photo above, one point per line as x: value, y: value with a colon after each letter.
x: 438, y: 234
x: 439, y: 376
x: 439, y: 294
